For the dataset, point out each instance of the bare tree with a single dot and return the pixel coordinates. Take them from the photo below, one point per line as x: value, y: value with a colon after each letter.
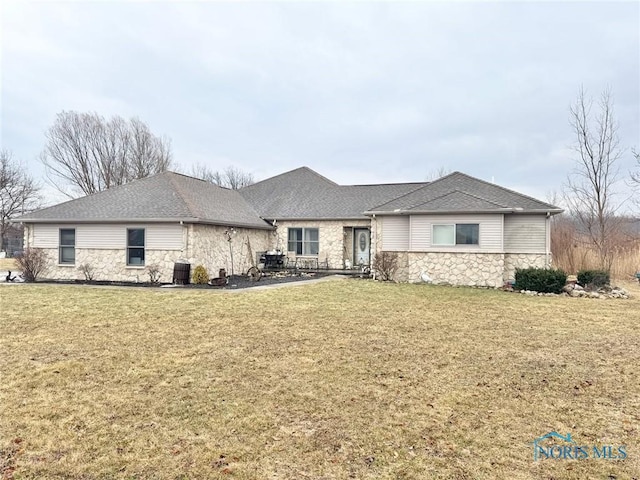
x: 235, y: 179
x: 148, y: 154
x: 231, y: 177
x: 635, y: 175
x: 205, y: 173
x: 19, y: 193
x: 591, y: 187
x: 86, y: 153
x: 438, y: 173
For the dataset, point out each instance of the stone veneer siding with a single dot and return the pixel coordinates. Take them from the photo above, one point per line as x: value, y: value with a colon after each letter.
x: 110, y: 265
x: 207, y: 245
x: 331, y: 236
x: 474, y: 269
x: 523, y: 260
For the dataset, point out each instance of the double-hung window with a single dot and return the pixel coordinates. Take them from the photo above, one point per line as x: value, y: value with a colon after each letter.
x: 135, y: 246
x: 304, y: 241
x: 456, y: 234
x: 67, y: 249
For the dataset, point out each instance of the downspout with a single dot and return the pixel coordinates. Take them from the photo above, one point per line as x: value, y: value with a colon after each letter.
x: 373, y: 246
x: 547, y: 260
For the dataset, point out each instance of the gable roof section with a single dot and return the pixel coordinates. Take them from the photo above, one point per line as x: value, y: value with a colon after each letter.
x: 457, y: 193
x: 304, y: 194
x: 162, y: 197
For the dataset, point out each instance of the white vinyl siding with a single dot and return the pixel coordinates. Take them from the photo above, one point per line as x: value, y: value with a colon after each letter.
x: 525, y: 233
x: 490, y: 232
x: 160, y: 236
x: 395, y: 233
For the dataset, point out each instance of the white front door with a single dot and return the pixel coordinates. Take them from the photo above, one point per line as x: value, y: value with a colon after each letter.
x: 361, y: 245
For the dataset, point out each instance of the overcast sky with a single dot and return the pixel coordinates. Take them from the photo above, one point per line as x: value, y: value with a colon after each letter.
x: 362, y: 92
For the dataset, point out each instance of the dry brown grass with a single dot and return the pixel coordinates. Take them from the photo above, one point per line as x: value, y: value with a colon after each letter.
x: 336, y: 380
x: 626, y: 261
x: 8, y: 264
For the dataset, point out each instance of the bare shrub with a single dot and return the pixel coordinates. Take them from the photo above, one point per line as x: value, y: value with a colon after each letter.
x: 32, y: 262
x: 154, y: 273
x: 87, y: 270
x: 385, y: 264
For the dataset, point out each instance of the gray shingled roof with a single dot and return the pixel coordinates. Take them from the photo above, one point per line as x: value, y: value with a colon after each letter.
x: 298, y: 194
x: 163, y: 197
x: 304, y: 194
x: 458, y: 193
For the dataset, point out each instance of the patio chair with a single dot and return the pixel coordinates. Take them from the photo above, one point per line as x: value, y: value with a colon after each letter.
x: 323, y: 260
x: 291, y: 262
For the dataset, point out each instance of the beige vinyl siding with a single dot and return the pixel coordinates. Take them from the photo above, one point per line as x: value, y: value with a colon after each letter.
x: 525, y: 233
x: 101, y: 237
x: 490, y: 232
x: 395, y: 233
x: 420, y: 232
x: 160, y: 236
x: 46, y: 236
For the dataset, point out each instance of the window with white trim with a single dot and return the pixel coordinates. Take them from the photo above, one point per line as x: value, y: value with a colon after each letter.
x: 135, y: 247
x: 304, y: 241
x: 456, y: 234
x: 67, y: 246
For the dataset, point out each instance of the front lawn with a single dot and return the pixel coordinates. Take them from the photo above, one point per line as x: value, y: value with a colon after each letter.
x: 344, y: 379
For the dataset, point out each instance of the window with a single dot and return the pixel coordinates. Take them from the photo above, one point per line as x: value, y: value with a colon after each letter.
x: 467, y: 234
x: 67, y: 250
x: 458, y: 234
x: 135, y: 246
x: 304, y: 241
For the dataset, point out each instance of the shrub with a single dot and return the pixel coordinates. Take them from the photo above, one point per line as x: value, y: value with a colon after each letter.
x: 200, y: 275
x: 154, y: 273
x: 594, y: 278
x: 385, y: 264
x: 87, y: 271
x: 542, y: 280
x: 32, y: 262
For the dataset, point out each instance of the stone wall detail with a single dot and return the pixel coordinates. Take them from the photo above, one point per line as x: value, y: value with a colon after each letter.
x: 523, y: 260
x: 209, y: 246
x: 111, y: 265
x: 472, y: 269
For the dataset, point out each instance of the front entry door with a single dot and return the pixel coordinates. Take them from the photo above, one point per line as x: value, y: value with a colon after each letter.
x: 361, y: 245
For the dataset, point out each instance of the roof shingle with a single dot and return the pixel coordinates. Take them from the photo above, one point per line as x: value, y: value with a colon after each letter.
x: 166, y: 196
x: 458, y: 192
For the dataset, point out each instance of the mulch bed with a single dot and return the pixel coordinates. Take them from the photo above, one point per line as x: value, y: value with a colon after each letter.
x: 235, y: 282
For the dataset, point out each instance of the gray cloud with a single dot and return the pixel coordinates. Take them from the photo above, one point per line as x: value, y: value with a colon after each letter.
x: 362, y: 92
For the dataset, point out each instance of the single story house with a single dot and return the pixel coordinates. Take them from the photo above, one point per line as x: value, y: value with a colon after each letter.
x: 457, y: 229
